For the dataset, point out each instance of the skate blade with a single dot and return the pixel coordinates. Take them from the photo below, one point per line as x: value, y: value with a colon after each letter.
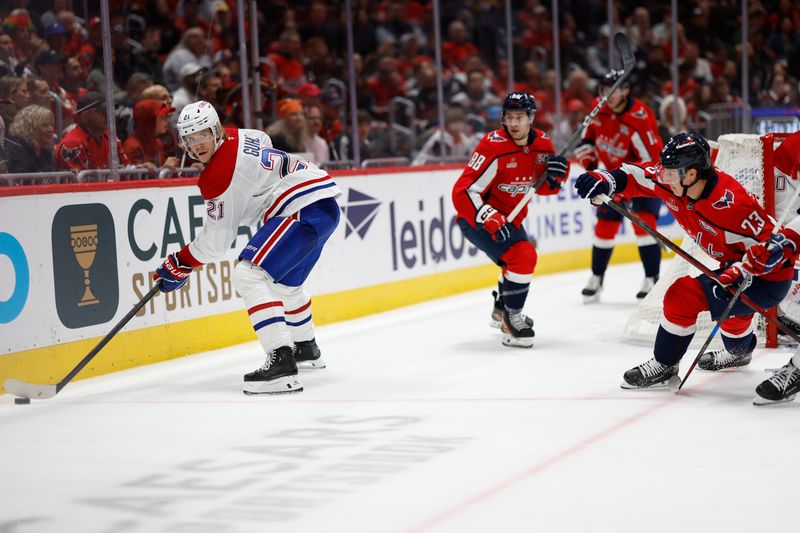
x: 664, y: 385
x: 515, y: 342
x: 759, y: 401
x: 315, y: 364
x: 594, y: 298
x: 282, y: 385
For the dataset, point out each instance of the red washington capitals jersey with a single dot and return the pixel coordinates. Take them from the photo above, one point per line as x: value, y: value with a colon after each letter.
x: 724, y: 221
x: 500, y: 172
x: 627, y: 137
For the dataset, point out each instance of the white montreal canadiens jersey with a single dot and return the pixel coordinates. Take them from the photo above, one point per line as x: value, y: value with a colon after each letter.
x: 247, y: 181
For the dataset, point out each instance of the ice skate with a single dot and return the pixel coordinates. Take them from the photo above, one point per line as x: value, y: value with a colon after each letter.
x: 277, y: 375
x: 496, y: 321
x: 591, y: 293
x: 649, y: 375
x: 719, y: 359
x: 791, y: 325
x: 307, y: 355
x: 516, y: 330
x: 783, y: 386
x: 647, y: 286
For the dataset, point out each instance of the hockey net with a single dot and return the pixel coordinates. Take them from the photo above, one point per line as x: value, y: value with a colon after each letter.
x: 749, y: 159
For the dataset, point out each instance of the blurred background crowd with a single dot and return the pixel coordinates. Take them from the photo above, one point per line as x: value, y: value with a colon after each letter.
x: 168, y: 53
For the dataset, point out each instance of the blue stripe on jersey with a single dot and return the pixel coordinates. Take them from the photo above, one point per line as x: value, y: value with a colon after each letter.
x: 298, y: 195
x: 295, y: 324
x: 267, y: 322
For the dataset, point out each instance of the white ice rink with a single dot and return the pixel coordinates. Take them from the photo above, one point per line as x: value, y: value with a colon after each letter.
x: 422, y: 421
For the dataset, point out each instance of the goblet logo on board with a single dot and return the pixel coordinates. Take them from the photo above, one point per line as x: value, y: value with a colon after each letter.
x: 83, y: 240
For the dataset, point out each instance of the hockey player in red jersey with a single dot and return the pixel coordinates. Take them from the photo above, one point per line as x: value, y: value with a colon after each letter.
x: 502, y: 168
x: 246, y: 181
x: 730, y: 226
x: 625, y: 130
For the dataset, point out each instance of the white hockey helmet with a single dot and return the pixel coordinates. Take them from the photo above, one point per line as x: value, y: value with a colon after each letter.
x: 196, y: 117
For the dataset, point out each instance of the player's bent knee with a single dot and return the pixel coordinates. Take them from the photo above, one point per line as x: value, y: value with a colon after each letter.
x: 737, y: 326
x: 606, y: 229
x: 520, y: 257
x: 246, y: 275
x: 683, y: 301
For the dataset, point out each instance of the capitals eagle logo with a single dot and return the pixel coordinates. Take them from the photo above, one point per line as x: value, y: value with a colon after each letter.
x: 725, y: 202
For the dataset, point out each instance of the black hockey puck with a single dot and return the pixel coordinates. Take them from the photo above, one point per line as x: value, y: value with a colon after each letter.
x: 22, y: 401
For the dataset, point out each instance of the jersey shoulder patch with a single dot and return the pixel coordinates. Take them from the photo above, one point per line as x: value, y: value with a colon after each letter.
x: 496, y: 136
x: 217, y: 175
x: 725, y: 201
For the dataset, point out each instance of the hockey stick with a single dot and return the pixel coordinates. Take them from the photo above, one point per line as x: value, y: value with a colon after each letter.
x: 34, y: 390
x: 623, y: 46
x: 633, y: 217
x: 722, y: 318
x: 742, y: 286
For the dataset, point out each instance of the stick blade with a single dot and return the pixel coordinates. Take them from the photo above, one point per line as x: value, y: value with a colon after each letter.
x: 29, y: 390
x: 623, y: 46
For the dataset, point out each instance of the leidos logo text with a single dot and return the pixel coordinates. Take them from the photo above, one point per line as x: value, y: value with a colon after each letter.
x: 427, y: 238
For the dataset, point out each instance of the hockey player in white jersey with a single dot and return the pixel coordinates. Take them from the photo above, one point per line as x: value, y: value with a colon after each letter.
x: 244, y: 181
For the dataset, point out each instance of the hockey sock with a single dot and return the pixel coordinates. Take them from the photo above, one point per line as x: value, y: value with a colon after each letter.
x: 669, y: 347
x: 297, y: 310
x: 514, y: 295
x: 263, y: 305
x: 740, y: 345
x: 600, y: 259
x: 650, y: 255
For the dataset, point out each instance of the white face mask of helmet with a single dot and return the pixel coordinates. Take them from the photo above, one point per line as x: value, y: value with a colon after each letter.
x: 197, y: 117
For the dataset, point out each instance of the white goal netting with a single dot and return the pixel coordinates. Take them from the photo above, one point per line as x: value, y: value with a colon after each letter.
x: 741, y: 156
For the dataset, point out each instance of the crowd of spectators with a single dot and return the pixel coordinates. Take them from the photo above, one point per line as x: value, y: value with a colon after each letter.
x: 168, y: 53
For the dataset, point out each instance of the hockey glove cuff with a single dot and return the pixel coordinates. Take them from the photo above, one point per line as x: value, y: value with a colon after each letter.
x: 172, y: 274
x: 595, y: 183
x: 737, y: 274
x: 494, y: 222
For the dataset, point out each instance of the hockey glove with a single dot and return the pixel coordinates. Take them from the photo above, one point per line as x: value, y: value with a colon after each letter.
x: 172, y: 274
x: 594, y: 183
x: 736, y: 273
x: 763, y: 258
x: 556, y: 170
x: 494, y: 222
x: 586, y: 156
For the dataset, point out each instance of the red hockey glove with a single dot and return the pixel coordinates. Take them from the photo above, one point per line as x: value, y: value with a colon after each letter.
x: 172, y: 273
x: 586, y: 156
x: 494, y: 222
x: 734, y: 273
x: 763, y: 259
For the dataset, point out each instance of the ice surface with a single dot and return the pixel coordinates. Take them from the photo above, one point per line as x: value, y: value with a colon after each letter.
x: 422, y: 421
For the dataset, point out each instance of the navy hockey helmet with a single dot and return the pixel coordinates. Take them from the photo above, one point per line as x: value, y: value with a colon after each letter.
x: 686, y: 150
x: 519, y: 101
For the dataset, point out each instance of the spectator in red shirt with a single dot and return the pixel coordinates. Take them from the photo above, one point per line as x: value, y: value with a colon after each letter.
x: 86, y: 145
x: 288, y: 61
x: 331, y: 105
x: 151, y: 120
x: 456, y: 50
x: 385, y: 85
